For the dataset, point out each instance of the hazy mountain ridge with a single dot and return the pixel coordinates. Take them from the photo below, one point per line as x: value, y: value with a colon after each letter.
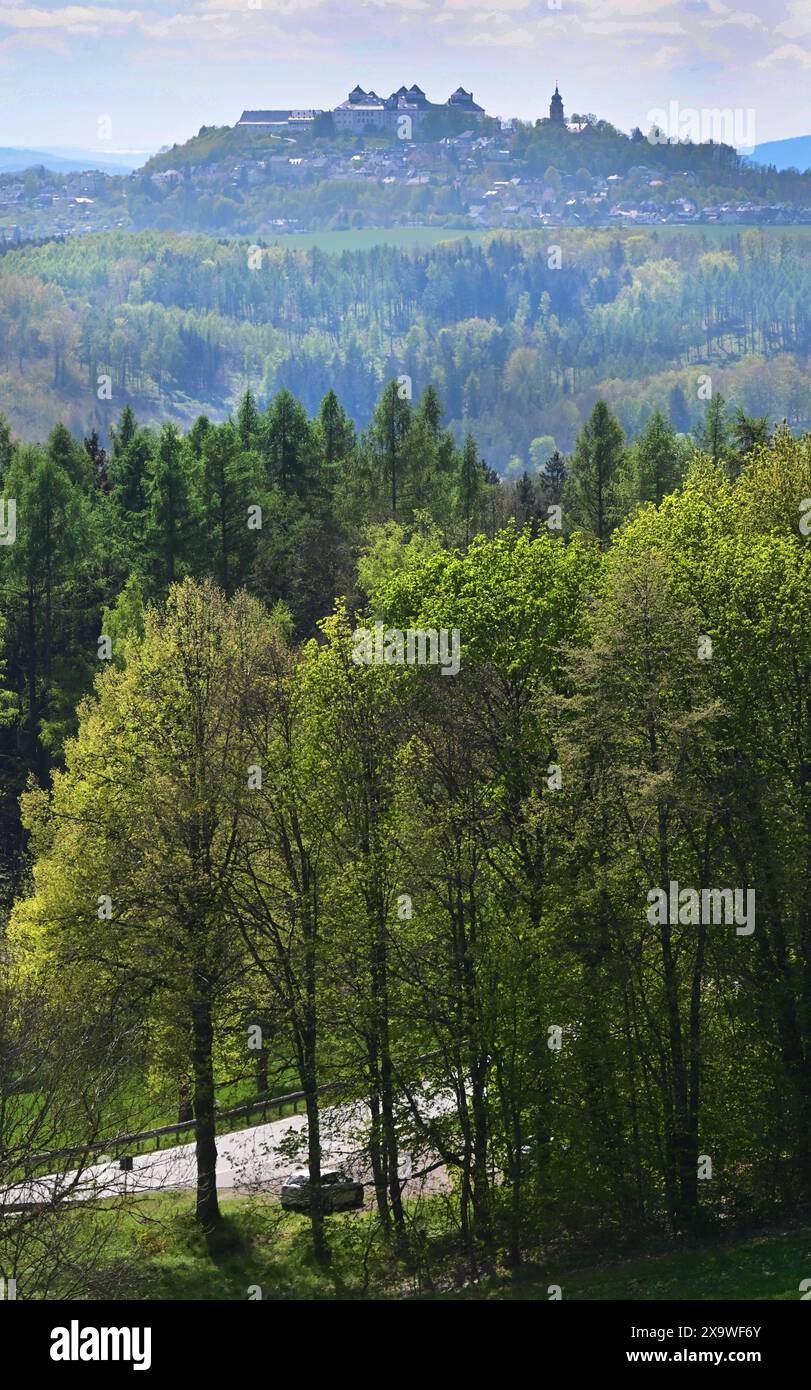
x: 15, y: 160
x: 793, y: 153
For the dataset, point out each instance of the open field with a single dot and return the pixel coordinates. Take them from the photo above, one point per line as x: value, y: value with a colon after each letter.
x: 363, y: 238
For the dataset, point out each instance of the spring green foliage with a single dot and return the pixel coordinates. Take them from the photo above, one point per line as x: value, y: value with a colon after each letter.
x: 436, y: 893
x: 275, y: 501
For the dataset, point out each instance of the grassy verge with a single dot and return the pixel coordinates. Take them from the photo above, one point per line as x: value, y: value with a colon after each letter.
x: 261, y: 1248
x: 768, y: 1266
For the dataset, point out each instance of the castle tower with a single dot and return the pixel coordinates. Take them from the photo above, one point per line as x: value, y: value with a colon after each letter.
x: 556, y: 108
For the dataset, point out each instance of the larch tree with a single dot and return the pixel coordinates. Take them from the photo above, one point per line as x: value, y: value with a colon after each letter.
x: 590, y: 499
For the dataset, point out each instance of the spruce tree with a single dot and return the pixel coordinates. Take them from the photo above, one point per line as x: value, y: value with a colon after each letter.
x: 656, y: 461
x: 172, y: 523
x: 712, y: 434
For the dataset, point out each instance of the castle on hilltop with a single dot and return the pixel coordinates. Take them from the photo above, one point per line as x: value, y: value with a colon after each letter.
x: 364, y: 111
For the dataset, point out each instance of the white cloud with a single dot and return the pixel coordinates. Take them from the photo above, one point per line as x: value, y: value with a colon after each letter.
x: 635, y: 27
x: 787, y: 54
x: 629, y: 9
x: 507, y: 6
x: 275, y: 8
x: 723, y: 16
x: 798, y: 20
x: 665, y: 57
x: 72, y: 18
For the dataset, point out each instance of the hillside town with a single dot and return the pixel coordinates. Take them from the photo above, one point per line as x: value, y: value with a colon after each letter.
x: 368, y: 162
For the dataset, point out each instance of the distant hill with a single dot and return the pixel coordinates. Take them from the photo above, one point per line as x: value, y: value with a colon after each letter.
x: 785, y: 154
x: 65, y: 161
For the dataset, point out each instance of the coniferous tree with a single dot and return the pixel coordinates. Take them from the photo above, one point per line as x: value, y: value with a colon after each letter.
x: 591, y: 489
x: 747, y: 432
x: 128, y: 465
x: 231, y: 487
x: 286, y: 443
x: 678, y: 410
x: 98, y: 460
x: 470, y: 488
x: 70, y: 456
x: 553, y: 476
x: 655, y: 462
x: 388, y: 432
x: 248, y: 419
x: 197, y: 435
x: 172, y: 525
x: 337, y: 430
x: 712, y: 434
x: 123, y: 434
x: 50, y: 635
x: 6, y: 446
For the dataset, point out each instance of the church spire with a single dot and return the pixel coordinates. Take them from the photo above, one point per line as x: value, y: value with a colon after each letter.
x: 556, y: 108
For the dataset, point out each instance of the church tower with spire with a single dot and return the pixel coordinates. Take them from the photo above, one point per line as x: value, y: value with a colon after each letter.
x: 556, y: 115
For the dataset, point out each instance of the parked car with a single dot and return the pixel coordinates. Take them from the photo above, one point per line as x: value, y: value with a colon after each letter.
x: 339, y: 1193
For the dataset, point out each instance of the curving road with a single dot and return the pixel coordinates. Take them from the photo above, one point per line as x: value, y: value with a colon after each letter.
x: 247, y: 1160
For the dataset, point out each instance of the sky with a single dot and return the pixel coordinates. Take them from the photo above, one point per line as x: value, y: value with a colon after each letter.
x: 136, y: 75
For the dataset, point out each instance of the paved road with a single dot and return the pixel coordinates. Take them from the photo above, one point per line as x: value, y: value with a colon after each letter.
x: 247, y: 1160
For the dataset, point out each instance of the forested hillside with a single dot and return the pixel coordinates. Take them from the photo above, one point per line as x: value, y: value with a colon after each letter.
x: 299, y: 508
x: 434, y: 893
x: 519, y: 340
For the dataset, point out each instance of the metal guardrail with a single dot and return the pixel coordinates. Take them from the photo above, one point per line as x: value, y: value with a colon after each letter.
x: 259, y: 1105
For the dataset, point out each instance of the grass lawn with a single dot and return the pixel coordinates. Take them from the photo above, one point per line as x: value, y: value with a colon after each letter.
x: 769, y: 1266
x: 259, y: 1245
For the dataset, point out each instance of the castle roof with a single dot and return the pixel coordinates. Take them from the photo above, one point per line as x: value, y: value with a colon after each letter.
x: 264, y: 117
x: 462, y: 98
x: 411, y: 99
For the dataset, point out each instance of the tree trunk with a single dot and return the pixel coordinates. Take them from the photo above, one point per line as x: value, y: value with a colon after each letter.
x: 207, y: 1210
x: 320, y: 1245
x: 185, y: 1109
x: 376, y: 1154
x: 262, y: 1070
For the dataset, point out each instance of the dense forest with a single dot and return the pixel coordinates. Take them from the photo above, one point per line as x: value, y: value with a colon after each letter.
x: 429, y: 892
x: 520, y: 335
